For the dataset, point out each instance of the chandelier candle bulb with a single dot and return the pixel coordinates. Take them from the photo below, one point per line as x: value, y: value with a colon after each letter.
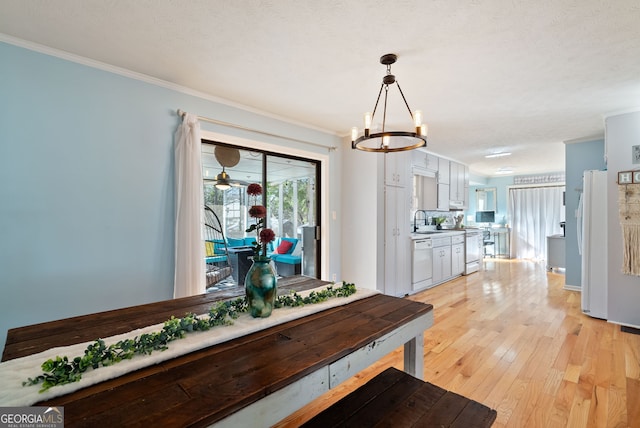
x: 423, y: 129
x: 354, y: 133
x: 367, y: 123
x: 385, y: 141
x: 417, y: 118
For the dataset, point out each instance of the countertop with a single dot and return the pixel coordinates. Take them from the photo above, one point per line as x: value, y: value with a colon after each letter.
x: 437, y: 233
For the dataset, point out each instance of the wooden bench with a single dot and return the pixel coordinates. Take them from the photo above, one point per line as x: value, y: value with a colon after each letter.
x: 397, y: 399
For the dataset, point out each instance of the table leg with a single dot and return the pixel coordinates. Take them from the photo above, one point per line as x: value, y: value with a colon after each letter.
x: 414, y: 357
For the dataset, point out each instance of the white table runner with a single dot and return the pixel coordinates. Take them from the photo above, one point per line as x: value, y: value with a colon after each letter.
x: 16, y: 371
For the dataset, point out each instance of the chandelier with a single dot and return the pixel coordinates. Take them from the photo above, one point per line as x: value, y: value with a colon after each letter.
x: 389, y: 141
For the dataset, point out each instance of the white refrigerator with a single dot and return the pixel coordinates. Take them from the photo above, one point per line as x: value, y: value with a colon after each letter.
x: 592, y: 237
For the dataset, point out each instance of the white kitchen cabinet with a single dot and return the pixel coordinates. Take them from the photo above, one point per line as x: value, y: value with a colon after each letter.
x: 432, y: 162
x: 466, y: 187
x: 453, y: 182
x: 457, y: 259
x: 441, y: 259
x: 419, y: 159
x: 443, y: 197
x: 397, y: 266
x: 397, y: 169
x: 397, y: 201
x: 424, y: 160
x: 443, y: 171
x: 441, y: 264
x: 465, y: 202
x: 457, y: 184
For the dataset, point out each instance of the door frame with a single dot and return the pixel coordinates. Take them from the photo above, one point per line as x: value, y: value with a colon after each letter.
x: 249, y: 144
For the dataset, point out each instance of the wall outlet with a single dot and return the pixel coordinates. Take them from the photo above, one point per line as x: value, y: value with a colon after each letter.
x: 333, y: 277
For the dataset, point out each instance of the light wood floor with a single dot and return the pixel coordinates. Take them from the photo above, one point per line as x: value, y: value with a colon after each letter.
x: 513, y: 339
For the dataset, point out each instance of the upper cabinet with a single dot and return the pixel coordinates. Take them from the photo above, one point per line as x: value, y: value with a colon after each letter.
x: 397, y: 169
x: 458, y: 185
x: 424, y: 160
x: 443, y: 171
x: 443, y: 197
x: 443, y: 184
x: 452, y: 179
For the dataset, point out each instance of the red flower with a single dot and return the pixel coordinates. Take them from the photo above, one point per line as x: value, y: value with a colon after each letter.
x: 267, y: 235
x: 254, y: 189
x: 258, y: 211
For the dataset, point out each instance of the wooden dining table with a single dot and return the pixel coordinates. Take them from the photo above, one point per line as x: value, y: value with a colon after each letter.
x: 250, y: 381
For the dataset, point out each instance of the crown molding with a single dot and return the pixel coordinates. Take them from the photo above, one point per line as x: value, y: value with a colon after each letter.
x: 46, y: 50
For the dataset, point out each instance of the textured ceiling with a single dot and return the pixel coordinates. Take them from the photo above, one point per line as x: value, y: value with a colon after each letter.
x: 517, y: 76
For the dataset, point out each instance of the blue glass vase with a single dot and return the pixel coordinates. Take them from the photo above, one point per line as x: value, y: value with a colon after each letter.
x: 261, y: 287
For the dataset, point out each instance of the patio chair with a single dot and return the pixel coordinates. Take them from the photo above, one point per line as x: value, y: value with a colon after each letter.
x: 218, y: 266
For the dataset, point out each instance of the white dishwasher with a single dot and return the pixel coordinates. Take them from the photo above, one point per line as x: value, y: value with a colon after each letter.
x: 422, y: 264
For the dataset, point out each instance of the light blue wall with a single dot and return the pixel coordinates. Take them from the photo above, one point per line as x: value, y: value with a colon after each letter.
x: 501, y: 184
x: 579, y: 158
x: 87, y: 188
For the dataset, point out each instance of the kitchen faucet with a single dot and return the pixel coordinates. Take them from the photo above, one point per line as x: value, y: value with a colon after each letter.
x: 415, y: 217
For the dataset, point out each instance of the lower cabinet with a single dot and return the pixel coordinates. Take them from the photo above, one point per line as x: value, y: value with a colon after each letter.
x: 441, y: 259
x: 448, y: 258
x: 441, y: 264
x: 457, y: 259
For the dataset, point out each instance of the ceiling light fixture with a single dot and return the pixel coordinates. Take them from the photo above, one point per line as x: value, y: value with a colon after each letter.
x: 498, y: 155
x: 505, y: 170
x: 389, y: 141
x: 223, y: 180
x: 227, y: 157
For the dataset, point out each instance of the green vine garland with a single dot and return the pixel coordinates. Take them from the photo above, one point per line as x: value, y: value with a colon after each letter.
x: 61, y: 370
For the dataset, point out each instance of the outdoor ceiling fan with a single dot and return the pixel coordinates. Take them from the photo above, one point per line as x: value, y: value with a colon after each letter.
x: 227, y: 157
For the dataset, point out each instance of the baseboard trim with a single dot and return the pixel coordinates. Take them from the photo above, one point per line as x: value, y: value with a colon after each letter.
x: 572, y: 287
x: 627, y: 328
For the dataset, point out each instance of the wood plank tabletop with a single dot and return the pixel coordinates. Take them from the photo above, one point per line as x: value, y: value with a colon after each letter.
x: 205, y: 386
x: 31, y: 339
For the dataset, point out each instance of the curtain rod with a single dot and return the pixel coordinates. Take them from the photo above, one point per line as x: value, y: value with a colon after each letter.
x: 534, y: 186
x: 182, y: 113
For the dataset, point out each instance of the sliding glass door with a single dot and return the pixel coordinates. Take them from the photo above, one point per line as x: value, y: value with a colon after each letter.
x: 290, y: 195
x: 292, y: 205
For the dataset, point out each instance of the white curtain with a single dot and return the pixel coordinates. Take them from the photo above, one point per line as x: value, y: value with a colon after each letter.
x: 535, y: 213
x: 190, y: 266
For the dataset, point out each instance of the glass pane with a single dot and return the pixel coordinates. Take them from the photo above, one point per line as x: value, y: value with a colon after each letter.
x: 292, y: 207
x: 291, y: 195
x: 231, y: 204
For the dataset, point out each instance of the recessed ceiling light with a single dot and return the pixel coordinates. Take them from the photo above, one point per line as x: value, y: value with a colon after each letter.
x: 505, y: 170
x: 498, y: 155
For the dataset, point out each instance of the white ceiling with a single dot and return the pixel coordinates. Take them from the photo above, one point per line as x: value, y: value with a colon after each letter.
x: 519, y: 76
